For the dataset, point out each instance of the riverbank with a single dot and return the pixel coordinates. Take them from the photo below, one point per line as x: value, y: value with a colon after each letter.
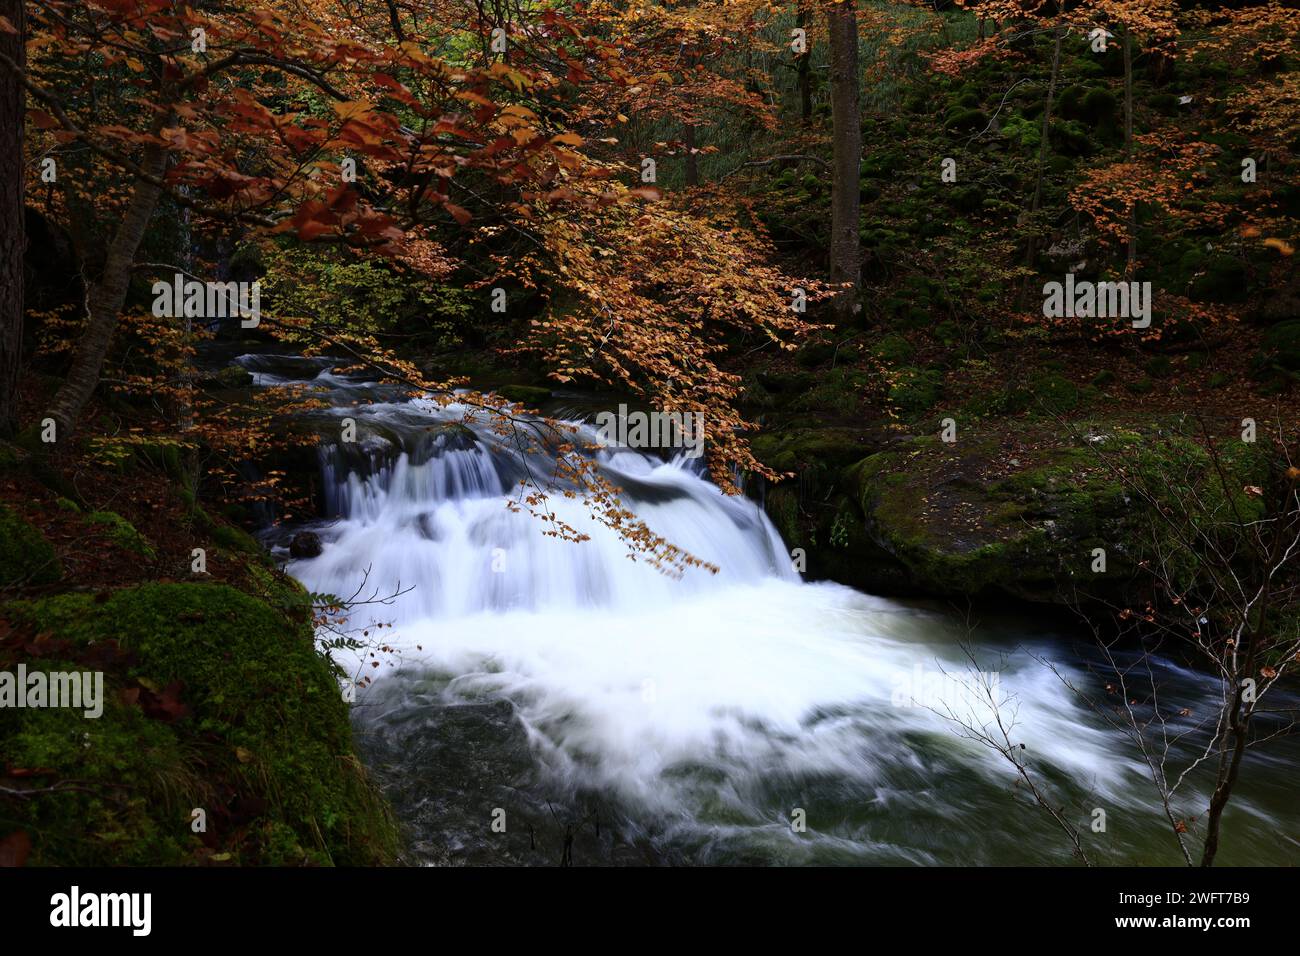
x: 223, y: 737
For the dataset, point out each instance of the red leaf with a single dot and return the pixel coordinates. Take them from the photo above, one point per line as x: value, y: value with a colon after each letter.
x: 462, y: 215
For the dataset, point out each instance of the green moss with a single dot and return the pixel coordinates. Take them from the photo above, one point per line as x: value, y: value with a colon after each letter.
x: 915, y: 390
x: 1098, y: 106
x: 1159, y: 366
x: 1223, y: 279
x: 1140, y: 386
x: 164, y: 456
x: 122, y: 533
x: 893, y: 349
x: 1055, y: 393
x: 228, y: 536
x: 801, y: 449
x: 961, y: 524
x: 959, y: 532
x: 1283, y: 344
x: 265, y: 749
x: 25, y: 556
x: 838, y: 392
x: 967, y: 120
x: 815, y: 353
x: 782, y: 506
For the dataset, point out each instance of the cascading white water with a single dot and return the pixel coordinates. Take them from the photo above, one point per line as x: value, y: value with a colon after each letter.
x: 435, y: 518
x: 703, y: 713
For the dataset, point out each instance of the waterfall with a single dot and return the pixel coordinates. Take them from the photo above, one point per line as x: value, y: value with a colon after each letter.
x: 421, y: 499
x: 701, y: 718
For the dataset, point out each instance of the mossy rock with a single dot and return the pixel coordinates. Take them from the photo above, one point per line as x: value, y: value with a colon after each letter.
x: 915, y: 390
x: 228, y: 536
x: 1164, y: 103
x: 880, y: 164
x: 960, y: 526
x: 1139, y: 386
x: 893, y: 349
x: 1159, y: 366
x: 1070, y: 138
x: 1055, y: 393
x: 1283, y: 340
x: 967, y: 120
x: 1070, y: 101
x: 825, y: 450
x: 972, y: 519
x: 815, y: 353
x: 122, y: 533
x: 1098, y: 106
x: 1224, y: 279
x: 261, y: 741
x: 26, y: 558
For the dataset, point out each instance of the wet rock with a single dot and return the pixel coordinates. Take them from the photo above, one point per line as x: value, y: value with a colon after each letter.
x: 305, y: 544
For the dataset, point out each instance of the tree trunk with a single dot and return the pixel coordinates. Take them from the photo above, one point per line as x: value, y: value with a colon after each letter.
x: 105, y: 297
x: 1227, y: 780
x: 846, y: 120
x: 13, y: 233
x: 1128, y: 146
x: 804, y: 61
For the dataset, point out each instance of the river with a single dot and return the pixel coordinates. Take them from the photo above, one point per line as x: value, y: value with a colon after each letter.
x: 546, y: 702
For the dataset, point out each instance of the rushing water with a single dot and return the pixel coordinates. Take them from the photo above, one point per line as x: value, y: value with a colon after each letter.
x: 603, y: 712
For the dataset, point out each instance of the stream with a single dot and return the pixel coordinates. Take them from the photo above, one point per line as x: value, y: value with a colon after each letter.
x: 547, y: 702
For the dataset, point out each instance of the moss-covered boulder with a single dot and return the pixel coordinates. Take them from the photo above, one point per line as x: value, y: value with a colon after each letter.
x: 213, y: 701
x: 122, y: 533
x: 992, y: 515
x: 810, y: 451
x: 26, y: 558
x: 973, y: 518
x: 815, y: 511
